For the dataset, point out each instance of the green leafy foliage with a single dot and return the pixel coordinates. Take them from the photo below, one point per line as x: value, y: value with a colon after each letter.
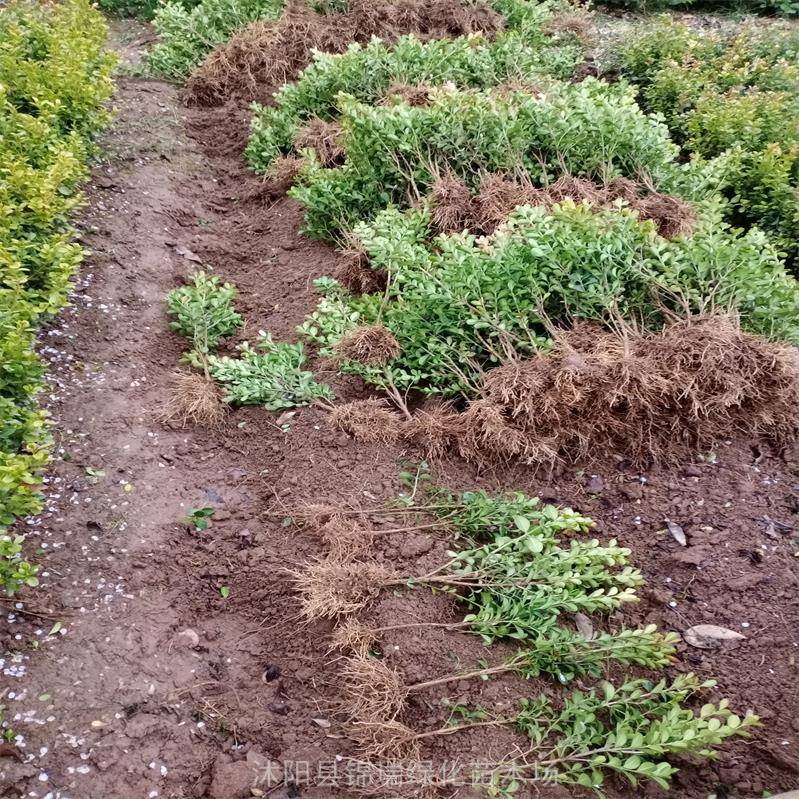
x: 143, y: 9
x: 528, y: 578
x: 629, y: 730
x: 200, y: 518
x: 15, y: 571
x: 458, y: 305
x: 786, y: 7
x: 736, y: 94
x: 203, y: 311
x: 187, y: 35
x: 269, y: 374
x: 394, y: 153
x: 54, y: 82
x: 366, y: 72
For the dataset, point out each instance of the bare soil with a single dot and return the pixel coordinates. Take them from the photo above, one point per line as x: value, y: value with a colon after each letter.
x: 158, y: 686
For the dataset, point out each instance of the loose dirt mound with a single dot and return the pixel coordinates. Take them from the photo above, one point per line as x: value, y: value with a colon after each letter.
x: 268, y: 53
x: 455, y: 208
x: 650, y: 397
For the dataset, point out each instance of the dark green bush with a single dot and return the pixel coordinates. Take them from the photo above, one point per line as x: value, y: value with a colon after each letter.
x: 395, y: 152
x: 458, y: 305
x: 365, y: 72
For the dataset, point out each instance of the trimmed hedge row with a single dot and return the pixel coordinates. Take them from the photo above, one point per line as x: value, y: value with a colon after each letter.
x: 55, y: 80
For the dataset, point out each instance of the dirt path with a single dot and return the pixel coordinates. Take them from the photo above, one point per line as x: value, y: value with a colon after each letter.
x: 155, y: 685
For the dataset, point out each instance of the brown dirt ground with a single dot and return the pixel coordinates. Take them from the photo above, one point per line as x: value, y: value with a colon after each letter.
x: 156, y: 685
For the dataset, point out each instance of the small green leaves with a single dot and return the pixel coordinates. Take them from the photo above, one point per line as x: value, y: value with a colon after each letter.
x: 224, y: 591
x: 200, y: 518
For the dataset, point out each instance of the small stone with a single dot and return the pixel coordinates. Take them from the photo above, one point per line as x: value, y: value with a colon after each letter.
x: 691, y: 470
x: 97, y: 724
x: 281, y: 709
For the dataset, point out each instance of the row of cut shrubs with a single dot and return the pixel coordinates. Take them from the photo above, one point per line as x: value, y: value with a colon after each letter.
x: 55, y: 80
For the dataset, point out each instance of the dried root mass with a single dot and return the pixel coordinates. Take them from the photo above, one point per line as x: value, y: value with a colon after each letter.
x: 268, y: 53
x: 332, y: 587
x: 194, y: 399
x: 370, y: 420
x: 455, y: 208
x: 648, y: 396
x: 373, y: 345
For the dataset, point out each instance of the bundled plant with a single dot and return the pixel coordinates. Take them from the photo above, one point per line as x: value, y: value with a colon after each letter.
x: 734, y: 94
x: 396, y: 153
x: 524, y: 564
x: 203, y: 311
x: 458, y: 306
x: 629, y: 730
x: 378, y: 71
x: 187, y: 35
x: 54, y: 82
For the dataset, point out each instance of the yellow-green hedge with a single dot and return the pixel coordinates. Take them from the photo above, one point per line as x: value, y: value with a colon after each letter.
x: 55, y: 81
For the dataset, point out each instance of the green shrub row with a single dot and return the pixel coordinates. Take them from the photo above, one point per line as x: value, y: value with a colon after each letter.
x: 188, y: 33
x: 366, y: 73
x: 54, y: 82
x: 458, y: 305
x: 786, y: 7
x: 395, y: 152
x: 143, y: 9
x: 736, y: 94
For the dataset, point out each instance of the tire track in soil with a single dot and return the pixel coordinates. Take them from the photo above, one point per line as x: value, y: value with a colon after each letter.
x: 128, y: 703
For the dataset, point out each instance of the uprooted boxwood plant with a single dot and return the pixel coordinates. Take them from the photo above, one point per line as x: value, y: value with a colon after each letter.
x: 736, y: 94
x: 459, y: 305
x: 395, y: 153
x: 521, y: 570
x: 373, y: 71
x: 188, y: 34
x: 269, y: 374
x: 54, y: 82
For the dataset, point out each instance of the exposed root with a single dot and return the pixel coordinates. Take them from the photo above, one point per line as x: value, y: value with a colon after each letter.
x: 385, y: 740
x: 650, y: 396
x: 452, y: 204
x: 436, y: 431
x: 415, y: 96
x: 352, y: 635
x: 195, y: 399
x: 344, y: 537
x: 353, y: 270
x: 373, y: 345
x: 455, y: 208
x: 370, y: 420
x: 330, y: 588
x: 323, y: 137
x: 282, y: 173
x: 269, y: 53
x: 373, y: 693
